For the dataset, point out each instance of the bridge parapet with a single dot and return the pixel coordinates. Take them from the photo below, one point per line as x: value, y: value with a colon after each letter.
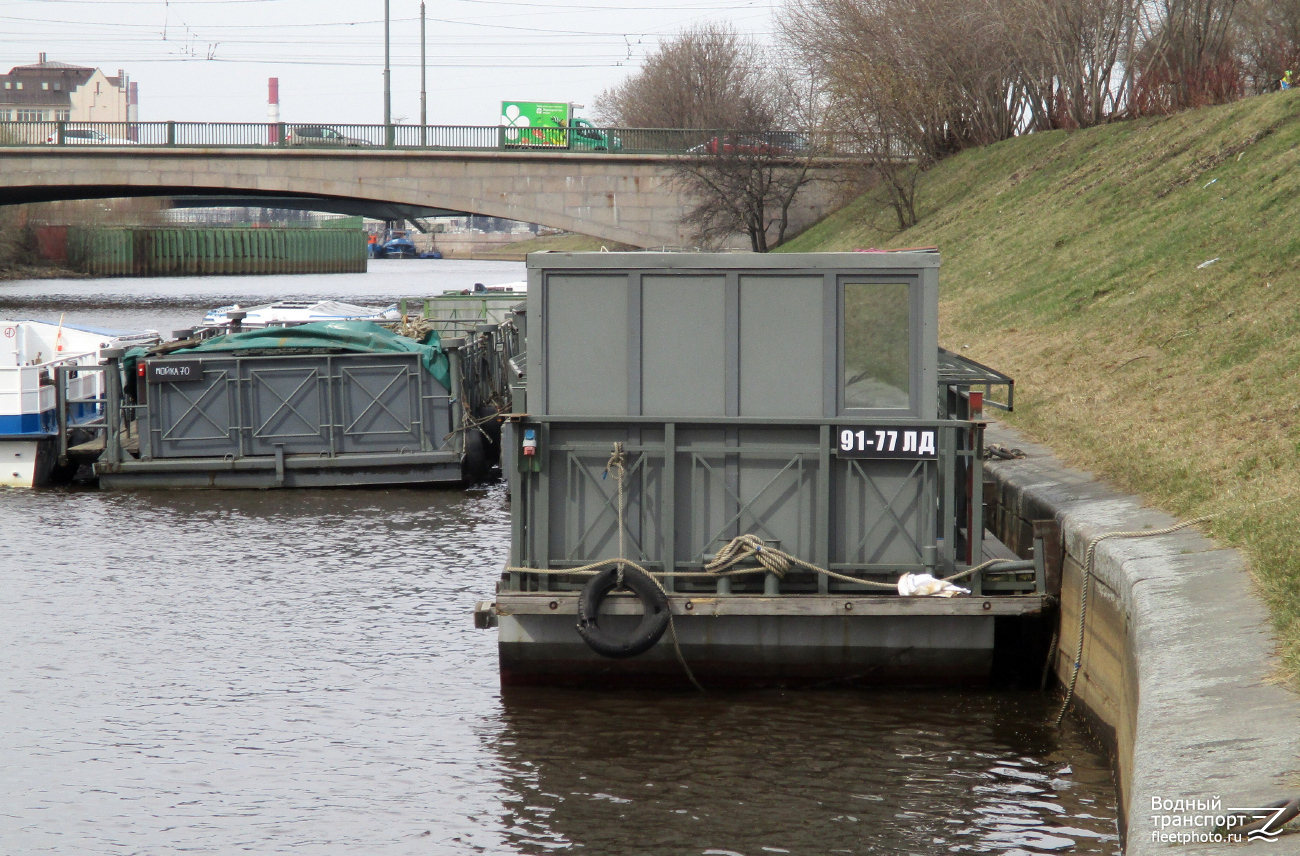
x: 495, y: 138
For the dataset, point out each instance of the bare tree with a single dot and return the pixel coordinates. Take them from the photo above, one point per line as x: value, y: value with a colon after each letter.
x: 1267, y: 37
x: 1185, y: 58
x: 1071, y: 53
x: 747, y: 185
x: 707, y: 76
x: 746, y: 166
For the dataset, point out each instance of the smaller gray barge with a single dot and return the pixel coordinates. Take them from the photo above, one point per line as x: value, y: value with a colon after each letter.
x: 322, y: 404
x: 776, y: 441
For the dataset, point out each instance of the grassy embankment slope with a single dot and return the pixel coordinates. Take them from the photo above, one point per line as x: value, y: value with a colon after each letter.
x: 1073, y: 262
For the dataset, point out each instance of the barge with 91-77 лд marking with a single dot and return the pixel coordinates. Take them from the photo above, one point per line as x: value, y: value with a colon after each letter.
x: 735, y: 469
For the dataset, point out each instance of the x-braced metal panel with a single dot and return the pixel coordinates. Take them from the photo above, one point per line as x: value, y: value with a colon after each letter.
x: 198, y: 418
x: 739, y: 492
x: 380, y: 407
x: 885, y: 516
x: 288, y: 408
x: 586, y: 525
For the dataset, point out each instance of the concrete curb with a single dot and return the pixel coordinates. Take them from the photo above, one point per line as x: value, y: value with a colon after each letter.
x: 1178, y: 658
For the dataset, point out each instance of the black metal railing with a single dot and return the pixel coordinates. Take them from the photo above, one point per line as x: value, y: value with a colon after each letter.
x: 485, y: 138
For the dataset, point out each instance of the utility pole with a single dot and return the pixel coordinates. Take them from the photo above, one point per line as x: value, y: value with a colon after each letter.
x: 424, y: 94
x: 388, y: 76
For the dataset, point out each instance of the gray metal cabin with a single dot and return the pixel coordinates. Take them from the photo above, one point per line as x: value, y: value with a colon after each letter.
x: 800, y: 398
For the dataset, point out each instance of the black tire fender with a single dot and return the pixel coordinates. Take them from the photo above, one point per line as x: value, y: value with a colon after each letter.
x: 653, y: 623
x: 475, y: 466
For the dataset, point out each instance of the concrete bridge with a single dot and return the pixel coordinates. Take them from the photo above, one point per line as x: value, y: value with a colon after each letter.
x: 624, y: 197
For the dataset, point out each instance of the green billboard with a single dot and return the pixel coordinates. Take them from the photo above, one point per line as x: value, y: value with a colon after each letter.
x: 535, y: 123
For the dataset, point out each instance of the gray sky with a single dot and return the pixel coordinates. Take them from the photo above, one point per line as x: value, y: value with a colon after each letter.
x: 208, y: 60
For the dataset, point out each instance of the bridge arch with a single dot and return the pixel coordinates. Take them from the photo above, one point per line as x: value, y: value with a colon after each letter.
x: 624, y: 198
x: 628, y: 198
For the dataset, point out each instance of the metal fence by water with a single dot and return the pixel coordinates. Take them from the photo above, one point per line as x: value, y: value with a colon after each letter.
x: 109, y: 251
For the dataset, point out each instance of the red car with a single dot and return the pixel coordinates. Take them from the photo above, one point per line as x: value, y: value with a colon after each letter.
x: 775, y: 143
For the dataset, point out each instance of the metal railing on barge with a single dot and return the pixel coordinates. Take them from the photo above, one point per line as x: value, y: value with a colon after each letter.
x: 873, y: 520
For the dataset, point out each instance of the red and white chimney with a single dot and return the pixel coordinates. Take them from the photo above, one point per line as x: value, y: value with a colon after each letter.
x: 133, y: 111
x: 273, y: 100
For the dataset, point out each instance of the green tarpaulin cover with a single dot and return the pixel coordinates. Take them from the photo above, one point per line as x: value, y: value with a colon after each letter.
x: 365, y: 337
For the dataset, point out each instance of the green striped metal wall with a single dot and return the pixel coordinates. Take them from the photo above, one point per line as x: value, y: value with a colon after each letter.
x: 216, y: 252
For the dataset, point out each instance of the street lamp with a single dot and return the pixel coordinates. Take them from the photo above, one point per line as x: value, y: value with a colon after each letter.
x: 424, y: 94
x: 388, y: 77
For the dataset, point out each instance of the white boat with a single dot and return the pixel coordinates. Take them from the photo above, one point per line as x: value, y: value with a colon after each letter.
x: 480, y: 290
x: 300, y: 312
x: 30, y: 351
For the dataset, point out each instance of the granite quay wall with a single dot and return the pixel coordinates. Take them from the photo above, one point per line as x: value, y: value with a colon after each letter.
x: 1177, y: 671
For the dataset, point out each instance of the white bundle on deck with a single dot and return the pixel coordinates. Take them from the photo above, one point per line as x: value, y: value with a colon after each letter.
x: 924, y: 585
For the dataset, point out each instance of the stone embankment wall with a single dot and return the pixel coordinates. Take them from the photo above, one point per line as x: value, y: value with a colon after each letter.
x: 468, y: 245
x: 1177, y: 674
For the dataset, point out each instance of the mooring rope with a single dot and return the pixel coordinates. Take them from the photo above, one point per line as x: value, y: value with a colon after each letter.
x: 1089, y: 561
x: 590, y: 570
x: 617, y: 464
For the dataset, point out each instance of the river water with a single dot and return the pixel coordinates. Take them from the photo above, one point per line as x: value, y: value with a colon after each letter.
x: 275, y: 672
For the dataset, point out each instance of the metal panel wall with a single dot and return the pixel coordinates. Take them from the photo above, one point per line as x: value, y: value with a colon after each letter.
x: 683, y: 345
x: 781, y: 355
x: 633, y: 334
x: 722, y: 376
x: 587, y: 344
x: 316, y: 405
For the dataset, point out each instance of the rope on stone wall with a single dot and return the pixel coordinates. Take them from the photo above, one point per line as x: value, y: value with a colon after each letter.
x: 1088, y: 564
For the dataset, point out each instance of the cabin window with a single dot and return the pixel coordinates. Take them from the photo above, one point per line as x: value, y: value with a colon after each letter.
x: 45, y: 86
x: 877, y: 334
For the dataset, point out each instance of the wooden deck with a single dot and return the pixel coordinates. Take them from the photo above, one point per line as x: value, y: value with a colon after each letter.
x: 566, y: 603
x: 92, y: 449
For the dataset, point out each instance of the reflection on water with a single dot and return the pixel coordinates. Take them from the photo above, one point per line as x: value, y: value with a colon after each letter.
x: 263, y: 671
x: 276, y: 670
x: 167, y: 303
x: 800, y: 772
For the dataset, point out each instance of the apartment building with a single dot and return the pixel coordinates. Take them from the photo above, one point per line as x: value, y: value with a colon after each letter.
x: 60, y: 92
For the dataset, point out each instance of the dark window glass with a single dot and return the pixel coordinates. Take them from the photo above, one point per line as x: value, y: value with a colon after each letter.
x: 877, y: 332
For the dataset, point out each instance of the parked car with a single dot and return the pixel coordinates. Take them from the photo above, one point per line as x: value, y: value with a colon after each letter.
x: 88, y: 136
x: 319, y: 135
x: 774, y: 143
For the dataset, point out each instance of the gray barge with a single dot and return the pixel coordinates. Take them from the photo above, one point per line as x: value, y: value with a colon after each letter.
x: 326, y: 404
x: 674, y: 403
